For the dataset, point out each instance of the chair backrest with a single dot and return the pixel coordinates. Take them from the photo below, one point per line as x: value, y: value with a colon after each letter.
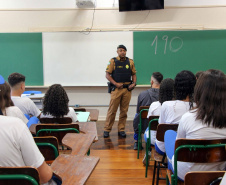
x: 162, y: 128
x: 19, y: 176
x: 143, y: 111
x: 64, y: 120
x: 203, y: 154
x: 48, y: 146
x: 202, y: 177
x: 79, y: 109
x: 154, y: 123
x: 57, y: 130
x: 198, y: 151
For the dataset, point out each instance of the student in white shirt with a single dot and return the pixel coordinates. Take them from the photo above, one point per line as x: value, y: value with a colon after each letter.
x: 206, y: 121
x: 25, y: 104
x: 6, y: 105
x: 55, y: 104
x: 172, y: 111
x: 19, y: 149
x: 166, y: 93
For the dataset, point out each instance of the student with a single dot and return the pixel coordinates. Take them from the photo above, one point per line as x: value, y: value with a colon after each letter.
x: 166, y: 93
x: 197, y: 75
x: 55, y: 104
x: 206, y: 121
x: 6, y: 105
x: 145, y: 98
x: 172, y: 111
x: 19, y: 148
x: 25, y: 104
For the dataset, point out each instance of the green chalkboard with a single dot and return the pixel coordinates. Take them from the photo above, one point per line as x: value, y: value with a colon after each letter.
x: 170, y: 52
x: 22, y: 53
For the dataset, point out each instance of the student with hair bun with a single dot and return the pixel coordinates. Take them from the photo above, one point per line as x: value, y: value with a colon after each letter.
x: 172, y: 111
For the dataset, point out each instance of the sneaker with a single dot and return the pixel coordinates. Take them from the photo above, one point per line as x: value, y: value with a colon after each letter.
x: 122, y: 134
x: 135, y: 146
x: 106, y: 134
x: 149, y: 157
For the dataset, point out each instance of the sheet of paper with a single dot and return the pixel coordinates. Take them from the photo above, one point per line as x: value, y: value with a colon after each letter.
x: 82, y: 116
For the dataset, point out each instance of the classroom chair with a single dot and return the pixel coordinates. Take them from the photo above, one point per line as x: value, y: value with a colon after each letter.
x: 196, y: 151
x: 64, y: 120
x: 19, y: 176
x: 79, y: 109
x: 143, y: 116
x: 32, y: 92
x: 57, y: 130
x: 160, y: 159
x: 48, y: 146
x: 153, y: 124
x: 204, y: 177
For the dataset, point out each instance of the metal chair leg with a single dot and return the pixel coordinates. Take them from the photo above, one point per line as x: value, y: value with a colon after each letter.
x: 153, y: 178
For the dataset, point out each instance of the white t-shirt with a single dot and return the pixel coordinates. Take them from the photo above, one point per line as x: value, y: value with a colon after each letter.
x: 154, y: 110
x: 26, y: 105
x: 16, y: 112
x: 171, y: 113
x: 190, y: 128
x: 17, y: 145
x: 71, y: 114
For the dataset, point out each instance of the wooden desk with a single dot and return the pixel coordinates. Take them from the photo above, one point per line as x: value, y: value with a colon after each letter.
x: 74, y: 169
x: 94, y: 113
x: 89, y: 128
x: 85, y: 127
x: 78, y: 143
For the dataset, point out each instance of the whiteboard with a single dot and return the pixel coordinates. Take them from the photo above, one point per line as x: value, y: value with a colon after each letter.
x: 76, y: 59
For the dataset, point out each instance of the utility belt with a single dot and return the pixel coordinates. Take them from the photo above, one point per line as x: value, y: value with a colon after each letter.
x: 112, y: 87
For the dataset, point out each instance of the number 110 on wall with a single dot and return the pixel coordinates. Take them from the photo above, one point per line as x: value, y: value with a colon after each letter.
x: 175, y: 43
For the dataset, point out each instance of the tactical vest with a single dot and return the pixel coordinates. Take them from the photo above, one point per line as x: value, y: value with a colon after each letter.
x: 122, y: 72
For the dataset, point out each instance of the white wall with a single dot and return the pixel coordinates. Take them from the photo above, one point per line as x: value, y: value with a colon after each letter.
x: 61, y: 4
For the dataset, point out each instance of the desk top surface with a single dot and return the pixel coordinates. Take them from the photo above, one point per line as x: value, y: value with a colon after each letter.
x: 74, y: 169
x: 34, y: 96
x: 78, y: 143
x: 94, y: 113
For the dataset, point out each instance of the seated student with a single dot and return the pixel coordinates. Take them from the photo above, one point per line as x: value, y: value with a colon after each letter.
x: 6, y: 105
x: 206, y: 121
x: 55, y: 104
x: 198, y: 74
x: 145, y: 98
x: 166, y: 93
x: 25, y: 104
x: 172, y: 111
x: 19, y: 148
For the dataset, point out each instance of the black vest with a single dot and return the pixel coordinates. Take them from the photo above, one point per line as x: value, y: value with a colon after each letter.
x: 122, y: 72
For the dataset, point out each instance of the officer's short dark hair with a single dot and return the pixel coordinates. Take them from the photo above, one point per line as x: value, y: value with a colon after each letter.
x: 158, y: 76
x: 122, y: 46
x: 15, y: 78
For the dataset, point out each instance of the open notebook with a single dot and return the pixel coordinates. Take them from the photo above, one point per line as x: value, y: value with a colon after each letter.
x: 82, y: 116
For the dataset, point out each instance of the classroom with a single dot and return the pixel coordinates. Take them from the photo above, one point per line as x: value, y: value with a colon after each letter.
x: 63, y: 43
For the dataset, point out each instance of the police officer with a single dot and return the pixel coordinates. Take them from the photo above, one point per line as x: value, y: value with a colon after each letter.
x: 121, y: 73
